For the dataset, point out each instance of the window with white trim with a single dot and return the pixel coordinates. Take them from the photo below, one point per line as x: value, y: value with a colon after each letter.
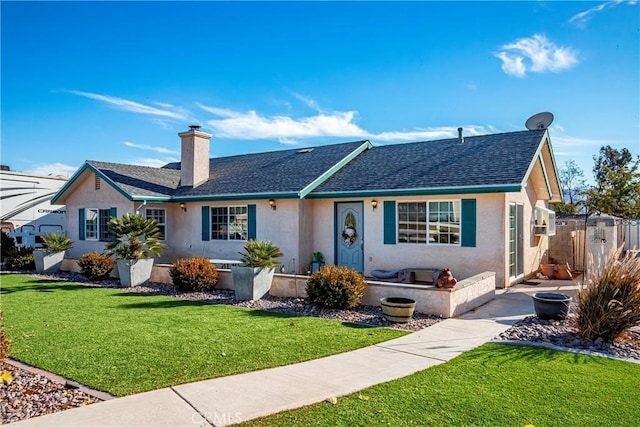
x: 160, y: 215
x: 433, y: 222
x: 96, y: 224
x: 229, y: 223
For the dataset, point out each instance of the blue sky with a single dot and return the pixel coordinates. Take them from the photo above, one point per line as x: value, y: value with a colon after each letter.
x: 116, y: 81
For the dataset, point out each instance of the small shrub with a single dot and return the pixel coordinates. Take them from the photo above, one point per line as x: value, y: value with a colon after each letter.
x: 335, y: 287
x: 5, y: 343
x: 7, y: 244
x: 20, y: 259
x: 194, y: 274
x: 96, y: 266
x: 611, y: 303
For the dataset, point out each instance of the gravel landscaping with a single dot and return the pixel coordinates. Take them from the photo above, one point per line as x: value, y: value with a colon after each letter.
x: 31, y: 395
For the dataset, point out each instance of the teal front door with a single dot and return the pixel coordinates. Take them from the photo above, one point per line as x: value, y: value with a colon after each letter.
x: 349, y: 236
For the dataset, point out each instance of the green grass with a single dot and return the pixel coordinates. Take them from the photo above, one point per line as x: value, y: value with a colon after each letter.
x: 493, y: 385
x: 125, y: 343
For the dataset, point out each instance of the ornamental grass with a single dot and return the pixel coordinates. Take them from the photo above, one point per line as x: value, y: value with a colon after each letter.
x: 611, y: 303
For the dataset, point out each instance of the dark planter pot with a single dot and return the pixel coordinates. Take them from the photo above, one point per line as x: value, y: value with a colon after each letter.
x: 551, y: 305
x: 399, y: 310
x: 316, y: 266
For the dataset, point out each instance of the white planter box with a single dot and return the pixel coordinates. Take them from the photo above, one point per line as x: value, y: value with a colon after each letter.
x: 48, y: 262
x: 251, y: 283
x: 134, y: 272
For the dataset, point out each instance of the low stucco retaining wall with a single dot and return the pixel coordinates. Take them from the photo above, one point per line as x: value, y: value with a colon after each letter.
x: 468, y: 293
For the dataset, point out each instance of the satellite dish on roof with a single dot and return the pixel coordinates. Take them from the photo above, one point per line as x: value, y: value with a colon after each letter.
x: 539, y: 121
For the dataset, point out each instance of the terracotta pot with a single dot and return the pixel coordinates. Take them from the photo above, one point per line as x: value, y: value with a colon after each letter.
x: 548, y: 270
x: 564, y: 272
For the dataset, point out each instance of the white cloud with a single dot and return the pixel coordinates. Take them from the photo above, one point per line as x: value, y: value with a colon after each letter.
x: 53, y: 169
x: 152, y: 162
x: 309, y: 102
x: 535, y: 54
x: 581, y: 19
x: 250, y: 125
x: 132, y: 106
x: 150, y: 148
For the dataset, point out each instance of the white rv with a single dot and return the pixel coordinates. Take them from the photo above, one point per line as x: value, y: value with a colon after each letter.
x: 25, y: 209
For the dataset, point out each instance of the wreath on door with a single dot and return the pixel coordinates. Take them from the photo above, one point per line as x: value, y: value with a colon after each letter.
x: 349, y: 233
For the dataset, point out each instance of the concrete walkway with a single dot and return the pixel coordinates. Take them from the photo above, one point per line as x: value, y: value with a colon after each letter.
x: 238, y: 398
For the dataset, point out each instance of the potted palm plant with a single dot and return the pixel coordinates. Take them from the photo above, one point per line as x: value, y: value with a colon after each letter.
x: 318, y: 262
x: 136, y: 240
x: 253, y: 279
x: 48, y: 259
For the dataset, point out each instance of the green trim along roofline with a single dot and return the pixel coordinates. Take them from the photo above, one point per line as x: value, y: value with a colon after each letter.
x: 335, y: 168
x: 249, y: 196
x: 514, y: 188
x: 86, y: 165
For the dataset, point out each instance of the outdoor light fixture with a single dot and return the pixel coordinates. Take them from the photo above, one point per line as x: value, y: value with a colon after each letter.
x: 374, y: 204
x: 272, y: 203
x: 183, y: 207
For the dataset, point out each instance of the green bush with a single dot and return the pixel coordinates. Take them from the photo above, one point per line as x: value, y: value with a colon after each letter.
x: 20, y: 259
x: 95, y: 266
x: 194, y: 274
x: 335, y: 287
x: 7, y: 244
x: 611, y: 303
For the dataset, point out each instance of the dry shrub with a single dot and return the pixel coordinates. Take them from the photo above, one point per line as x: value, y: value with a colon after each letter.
x: 194, y: 274
x: 611, y: 303
x: 5, y: 343
x: 335, y: 287
x: 96, y: 266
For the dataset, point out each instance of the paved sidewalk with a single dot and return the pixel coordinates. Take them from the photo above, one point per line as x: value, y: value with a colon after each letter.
x: 237, y: 398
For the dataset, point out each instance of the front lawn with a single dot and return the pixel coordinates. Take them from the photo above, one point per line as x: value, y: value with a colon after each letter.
x: 493, y: 385
x: 125, y: 343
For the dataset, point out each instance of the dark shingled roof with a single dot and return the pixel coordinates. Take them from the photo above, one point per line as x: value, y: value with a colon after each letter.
x: 480, y: 161
x: 143, y: 181
x: 487, y: 160
x: 286, y: 171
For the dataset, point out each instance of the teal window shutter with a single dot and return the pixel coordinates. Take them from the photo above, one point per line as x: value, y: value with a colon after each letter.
x: 81, y: 223
x: 251, y: 219
x: 113, y: 213
x: 468, y: 213
x: 206, y: 223
x: 389, y: 219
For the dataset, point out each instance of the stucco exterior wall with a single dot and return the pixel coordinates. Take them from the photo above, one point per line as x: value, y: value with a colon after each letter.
x: 87, y: 196
x: 535, y: 248
x: 280, y: 226
x: 463, y: 261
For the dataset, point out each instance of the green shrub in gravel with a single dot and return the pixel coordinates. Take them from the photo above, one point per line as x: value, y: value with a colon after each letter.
x: 335, y: 287
x: 20, y: 259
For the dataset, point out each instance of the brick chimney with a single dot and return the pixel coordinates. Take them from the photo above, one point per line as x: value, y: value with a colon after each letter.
x: 194, y: 167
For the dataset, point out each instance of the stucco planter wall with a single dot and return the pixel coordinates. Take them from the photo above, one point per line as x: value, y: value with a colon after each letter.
x: 134, y: 272
x: 251, y: 283
x: 48, y: 262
